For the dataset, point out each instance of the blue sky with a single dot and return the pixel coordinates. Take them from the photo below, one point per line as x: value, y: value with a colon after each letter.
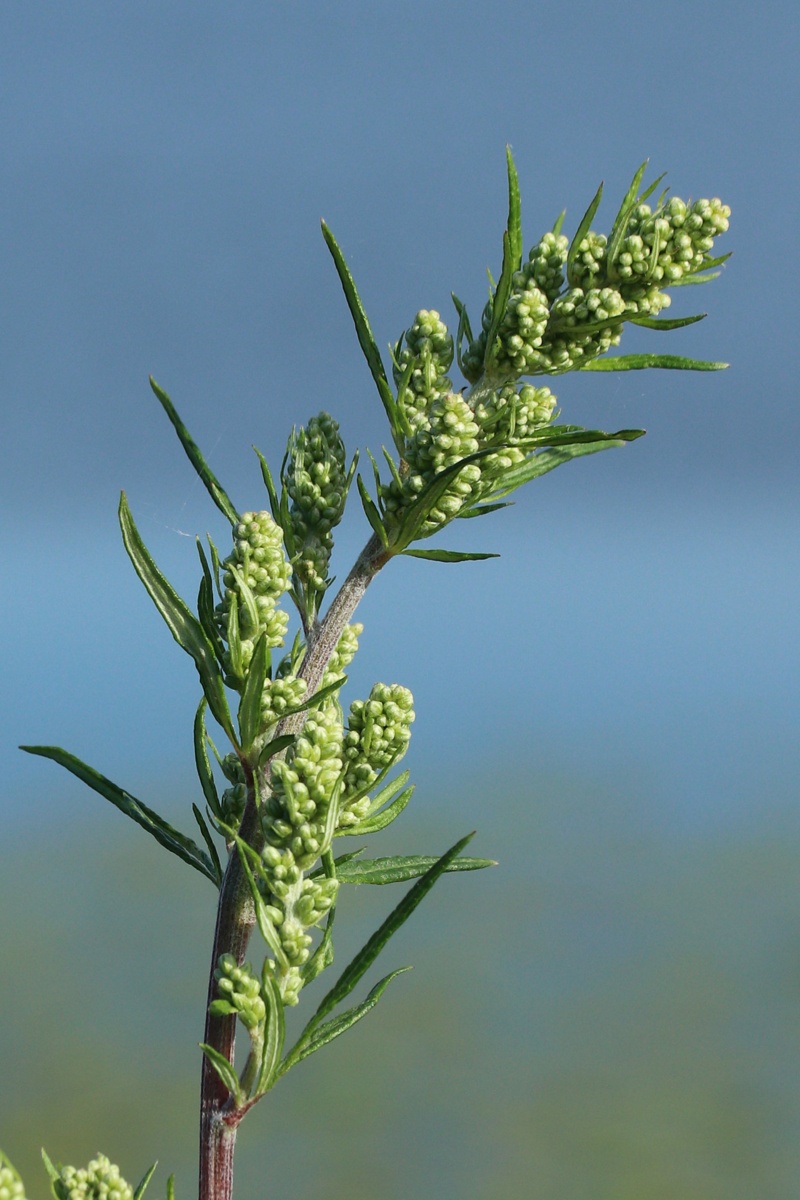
x: 165, y: 169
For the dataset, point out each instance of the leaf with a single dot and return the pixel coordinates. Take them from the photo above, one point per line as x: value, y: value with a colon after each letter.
x: 373, y: 822
x: 481, y: 510
x: 171, y: 1188
x: 514, y: 209
x: 583, y: 229
x: 265, y: 923
x: 629, y: 200
x: 143, y: 1182
x: 274, y: 1032
x: 548, y: 460
x: 171, y: 839
x: 209, y: 841
x: 666, y: 323
x: 54, y: 1175
x: 692, y: 277
x: 464, y: 329
x: 249, y: 714
x: 269, y: 484
x: 512, y: 259
x: 332, y: 1029
x: 225, y: 1071
x: 207, y: 476
x: 183, y: 626
x: 417, y: 513
x: 639, y: 362
x: 401, y: 868
x: 448, y: 556
x: 201, y: 760
x: 366, y: 339
x: 372, y: 514
x: 275, y: 747
x: 363, y: 960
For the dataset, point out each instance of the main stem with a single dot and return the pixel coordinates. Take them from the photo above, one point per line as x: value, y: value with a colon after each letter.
x: 219, y: 1117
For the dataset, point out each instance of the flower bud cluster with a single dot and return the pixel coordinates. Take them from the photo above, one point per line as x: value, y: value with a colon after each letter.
x: 255, y: 576
x: 233, y: 799
x: 378, y: 735
x: 428, y: 350
x: 513, y: 414
x: 239, y: 991
x: 343, y: 655
x: 11, y: 1186
x: 100, y: 1180
x: 662, y: 246
x: 279, y: 697
x: 315, y: 478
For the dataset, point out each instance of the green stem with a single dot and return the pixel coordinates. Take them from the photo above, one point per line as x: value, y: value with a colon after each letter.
x: 219, y: 1117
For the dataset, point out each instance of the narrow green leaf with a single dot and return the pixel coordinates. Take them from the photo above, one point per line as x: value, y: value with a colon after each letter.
x: 263, y: 920
x: 269, y: 484
x: 171, y: 1188
x: 371, y: 512
x: 692, y: 277
x: 209, y: 841
x: 577, y: 436
x: 225, y: 1071
x: 274, y: 1032
x: 201, y: 760
x: 360, y: 964
x: 183, y: 626
x: 548, y: 460
x: 514, y: 210
x: 558, y: 224
x: 249, y: 714
x: 639, y: 362
x: 366, y: 339
x: 448, y: 556
x: 482, y: 510
x: 401, y: 868
x: 323, y: 955
x: 330, y: 865
x: 274, y: 747
x: 332, y: 1029
x: 620, y: 225
x: 666, y: 323
x: 53, y: 1173
x: 373, y: 822
x: 171, y: 839
x: 583, y: 229
x: 708, y: 263
x: 207, y: 616
x: 464, y: 326
x: 207, y: 476
x: 500, y: 301
x: 143, y: 1182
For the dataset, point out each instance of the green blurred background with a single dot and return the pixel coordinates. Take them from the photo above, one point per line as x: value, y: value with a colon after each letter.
x: 613, y: 1013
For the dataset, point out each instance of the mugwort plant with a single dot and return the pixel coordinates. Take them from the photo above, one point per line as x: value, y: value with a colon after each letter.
x: 287, y: 774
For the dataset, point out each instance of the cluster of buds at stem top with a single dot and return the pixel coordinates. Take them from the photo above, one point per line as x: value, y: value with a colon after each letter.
x: 559, y: 317
x: 421, y: 360
x: 255, y: 576
x: 315, y: 479
x: 100, y: 1180
x: 378, y: 734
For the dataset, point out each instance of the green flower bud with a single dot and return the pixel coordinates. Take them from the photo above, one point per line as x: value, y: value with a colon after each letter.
x: 588, y: 266
x: 303, y: 787
x: 239, y: 992
x: 279, y: 696
x: 547, y: 261
x: 100, y: 1180
x: 511, y: 414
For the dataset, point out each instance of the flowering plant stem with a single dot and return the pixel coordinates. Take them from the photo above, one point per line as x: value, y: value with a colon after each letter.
x: 235, y: 915
x: 300, y: 771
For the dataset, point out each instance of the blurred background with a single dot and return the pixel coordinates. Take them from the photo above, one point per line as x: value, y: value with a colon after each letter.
x: 614, y: 1012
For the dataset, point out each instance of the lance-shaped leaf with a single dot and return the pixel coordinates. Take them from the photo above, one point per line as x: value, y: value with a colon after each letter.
x: 482, y: 510
x: 548, y: 460
x: 209, y: 479
x: 202, y: 763
x: 183, y: 626
x: 620, y: 225
x: 363, y: 960
x: 171, y: 839
x: 252, y: 693
x: 512, y: 260
x: 225, y: 1071
x: 371, y: 512
x: 143, y: 1182
x: 583, y: 229
x: 274, y: 1031
x: 378, y: 818
x: 448, y: 556
x: 642, y: 362
x: 332, y: 1029
x: 464, y: 329
x: 209, y: 841
x: 400, y: 868
x: 366, y: 339
x: 667, y: 323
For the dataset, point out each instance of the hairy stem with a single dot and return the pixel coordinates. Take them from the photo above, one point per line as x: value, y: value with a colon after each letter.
x: 219, y: 1117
